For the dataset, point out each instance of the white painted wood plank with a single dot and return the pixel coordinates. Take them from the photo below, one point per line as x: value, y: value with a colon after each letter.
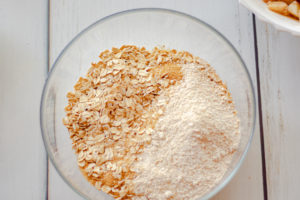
x: 69, y: 17
x: 279, y: 64
x: 23, y: 69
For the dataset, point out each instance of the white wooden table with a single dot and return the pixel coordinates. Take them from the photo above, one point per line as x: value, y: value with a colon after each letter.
x: 33, y: 32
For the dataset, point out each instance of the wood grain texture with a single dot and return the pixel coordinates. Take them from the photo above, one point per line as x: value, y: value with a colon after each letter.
x: 23, y: 64
x: 279, y: 65
x: 68, y: 17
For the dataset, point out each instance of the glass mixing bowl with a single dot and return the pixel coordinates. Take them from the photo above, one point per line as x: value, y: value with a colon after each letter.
x: 149, y: 28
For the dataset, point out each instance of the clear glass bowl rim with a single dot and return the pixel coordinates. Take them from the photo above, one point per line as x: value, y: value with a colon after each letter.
x: 118, y: 14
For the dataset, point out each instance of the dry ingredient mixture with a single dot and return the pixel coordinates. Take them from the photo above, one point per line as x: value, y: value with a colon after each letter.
x: 152, y: 125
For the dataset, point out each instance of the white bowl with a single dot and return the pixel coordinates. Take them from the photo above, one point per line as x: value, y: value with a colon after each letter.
x: 283, y: 23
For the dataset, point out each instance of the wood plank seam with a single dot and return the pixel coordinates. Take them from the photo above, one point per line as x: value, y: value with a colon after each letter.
x: 48, y: 69
x: 264, y: 173
x: 48, y: 35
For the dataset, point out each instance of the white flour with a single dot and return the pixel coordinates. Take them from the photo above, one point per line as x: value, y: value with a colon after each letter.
x: 193, y: 142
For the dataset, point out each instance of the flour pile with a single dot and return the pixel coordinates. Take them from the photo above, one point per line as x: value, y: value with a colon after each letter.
x: 193, y: 142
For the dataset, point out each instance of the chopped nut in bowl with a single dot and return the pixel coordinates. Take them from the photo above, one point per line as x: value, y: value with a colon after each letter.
x: 285, y: 7
x: 148, y: 116
x: 282, y: 14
